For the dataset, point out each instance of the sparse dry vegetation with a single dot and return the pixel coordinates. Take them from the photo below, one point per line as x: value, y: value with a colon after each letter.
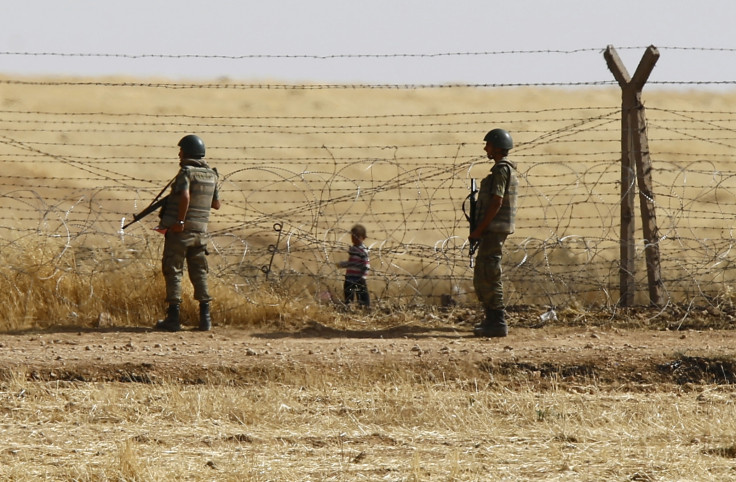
x: 385, y: 413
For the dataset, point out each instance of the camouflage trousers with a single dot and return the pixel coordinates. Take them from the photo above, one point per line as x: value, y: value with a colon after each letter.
x: 192, y: 248
x: 487, y: 273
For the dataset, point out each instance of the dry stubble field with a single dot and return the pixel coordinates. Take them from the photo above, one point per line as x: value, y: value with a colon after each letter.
x: 421, y: 401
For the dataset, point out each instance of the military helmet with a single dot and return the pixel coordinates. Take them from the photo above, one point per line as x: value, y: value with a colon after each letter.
x: 499, y: 138
x: 192, y: 146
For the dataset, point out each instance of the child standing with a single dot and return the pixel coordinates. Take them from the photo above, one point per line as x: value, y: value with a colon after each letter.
x: 356, y: 268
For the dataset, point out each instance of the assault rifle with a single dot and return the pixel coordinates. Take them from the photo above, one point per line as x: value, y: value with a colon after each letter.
x: 155, y: 204
x: 470, y: 216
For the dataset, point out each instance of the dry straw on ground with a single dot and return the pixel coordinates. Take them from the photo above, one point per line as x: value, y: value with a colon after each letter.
x: 375, y: 423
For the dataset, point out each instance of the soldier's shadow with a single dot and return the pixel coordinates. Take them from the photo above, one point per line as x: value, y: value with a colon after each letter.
x: 317, y: 330
x: 77, y: 329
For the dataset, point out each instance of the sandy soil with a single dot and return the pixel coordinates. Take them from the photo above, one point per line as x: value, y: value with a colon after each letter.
x: 616, y: 358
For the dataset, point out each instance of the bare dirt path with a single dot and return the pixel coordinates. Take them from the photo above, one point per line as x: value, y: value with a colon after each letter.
x: 611, y: 357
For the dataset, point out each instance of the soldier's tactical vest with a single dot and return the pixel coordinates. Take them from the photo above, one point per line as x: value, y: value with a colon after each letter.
x: 505, y: 220
x: 202, y: 187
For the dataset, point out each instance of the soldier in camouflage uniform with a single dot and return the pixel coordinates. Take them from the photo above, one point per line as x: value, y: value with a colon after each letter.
x: 495, y: 219
x: 184, y: 218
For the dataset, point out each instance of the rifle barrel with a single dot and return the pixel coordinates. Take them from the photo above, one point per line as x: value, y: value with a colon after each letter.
x: 151, y: 208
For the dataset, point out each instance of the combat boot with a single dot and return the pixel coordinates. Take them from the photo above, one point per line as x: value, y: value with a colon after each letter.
x: 171, y: 322
x: 487, y: 319
x: 205, y: 319
x: 493, y: 326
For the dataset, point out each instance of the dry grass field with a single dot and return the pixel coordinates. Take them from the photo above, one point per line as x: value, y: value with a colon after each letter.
x: 422, y: 401
x: 290, y: 387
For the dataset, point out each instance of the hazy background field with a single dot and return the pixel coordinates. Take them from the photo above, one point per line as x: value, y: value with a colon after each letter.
x: 81, y: 155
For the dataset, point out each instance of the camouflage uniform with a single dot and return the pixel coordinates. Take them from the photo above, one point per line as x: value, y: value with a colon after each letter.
x: 191, y: 244
x: 487, y: 274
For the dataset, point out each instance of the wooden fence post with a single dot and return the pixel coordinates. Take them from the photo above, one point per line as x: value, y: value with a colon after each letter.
x: 635, y: 152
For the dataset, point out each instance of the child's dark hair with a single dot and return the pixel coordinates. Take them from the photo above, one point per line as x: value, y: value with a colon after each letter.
x: 359, y: 231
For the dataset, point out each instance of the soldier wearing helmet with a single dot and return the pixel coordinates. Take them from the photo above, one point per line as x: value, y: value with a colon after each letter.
x: 495, y: 219
x: 184, y: 220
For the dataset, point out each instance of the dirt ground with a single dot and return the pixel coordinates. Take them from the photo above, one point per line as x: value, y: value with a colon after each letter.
x: 628, y: 359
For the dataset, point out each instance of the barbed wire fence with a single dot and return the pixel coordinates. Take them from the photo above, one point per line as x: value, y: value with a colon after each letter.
x: 396, y: 158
